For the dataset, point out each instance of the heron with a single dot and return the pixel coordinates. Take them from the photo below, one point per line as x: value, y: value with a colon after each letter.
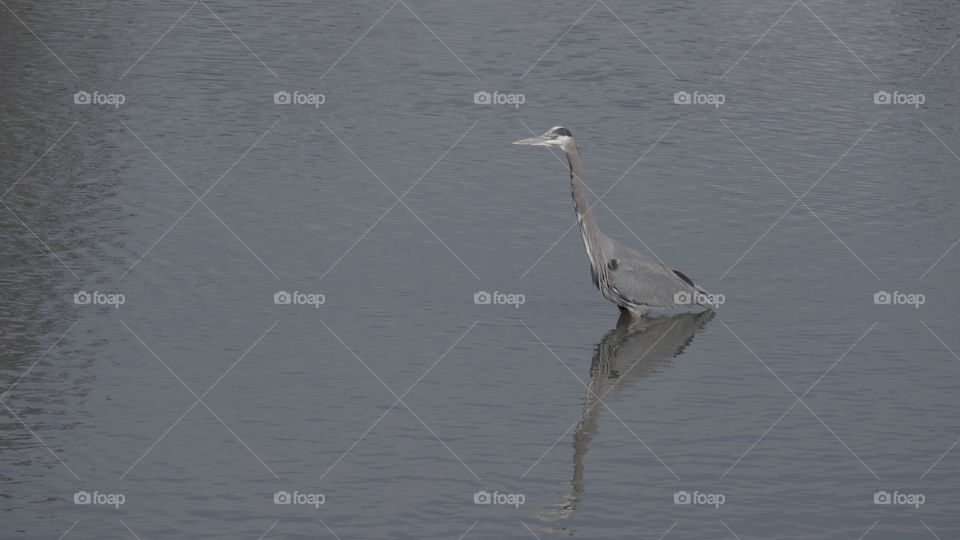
x: 637, y: 284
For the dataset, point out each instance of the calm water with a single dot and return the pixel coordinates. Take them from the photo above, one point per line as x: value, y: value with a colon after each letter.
x: 398, y: 398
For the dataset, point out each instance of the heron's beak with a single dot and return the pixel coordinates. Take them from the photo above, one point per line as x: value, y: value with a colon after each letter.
x: 539, y: 140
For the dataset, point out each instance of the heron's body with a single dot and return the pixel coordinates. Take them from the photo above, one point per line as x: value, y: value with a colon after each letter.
x: 635, y: 283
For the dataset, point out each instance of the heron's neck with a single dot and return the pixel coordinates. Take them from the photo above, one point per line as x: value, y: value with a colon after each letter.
x: 588, y: 224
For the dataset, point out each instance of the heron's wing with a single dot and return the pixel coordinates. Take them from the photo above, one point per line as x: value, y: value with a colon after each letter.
x: 645, y: 281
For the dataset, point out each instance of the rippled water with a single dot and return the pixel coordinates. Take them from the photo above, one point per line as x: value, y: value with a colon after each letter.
x: 398, y: 398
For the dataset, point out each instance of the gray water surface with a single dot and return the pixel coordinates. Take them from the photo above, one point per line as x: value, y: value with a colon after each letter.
x: 398, y: 398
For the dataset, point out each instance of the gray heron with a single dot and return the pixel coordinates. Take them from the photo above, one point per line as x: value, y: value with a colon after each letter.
x: 637, y: 284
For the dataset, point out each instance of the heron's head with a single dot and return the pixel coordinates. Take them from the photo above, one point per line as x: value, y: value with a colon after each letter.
x: 555, y: 136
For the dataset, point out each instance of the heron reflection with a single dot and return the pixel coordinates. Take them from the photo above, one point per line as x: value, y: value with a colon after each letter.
x: 637, y: 347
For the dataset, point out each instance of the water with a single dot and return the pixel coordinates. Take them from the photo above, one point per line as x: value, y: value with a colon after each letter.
x: 398, y: 398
